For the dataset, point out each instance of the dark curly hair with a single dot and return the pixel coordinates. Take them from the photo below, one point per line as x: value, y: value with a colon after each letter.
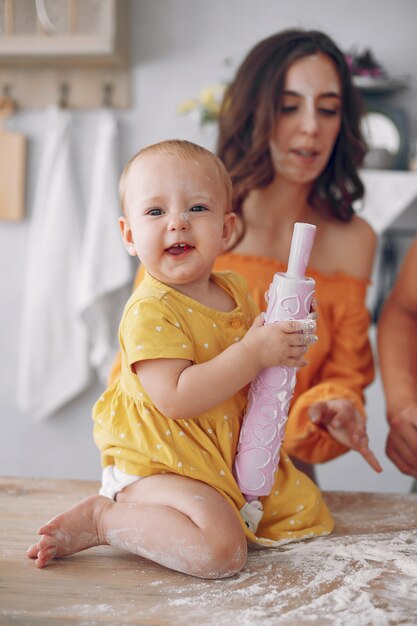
x: 248, y: 113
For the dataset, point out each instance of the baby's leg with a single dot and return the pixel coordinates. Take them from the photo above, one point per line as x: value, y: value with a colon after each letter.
x: 178, y: 522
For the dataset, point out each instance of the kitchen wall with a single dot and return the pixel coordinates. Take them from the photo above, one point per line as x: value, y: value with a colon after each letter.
x: 178, y: 47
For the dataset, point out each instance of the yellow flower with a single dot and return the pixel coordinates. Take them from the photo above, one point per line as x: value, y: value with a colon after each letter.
x: 191, y: 104
x: 207, y: 105
x: 212, y: 95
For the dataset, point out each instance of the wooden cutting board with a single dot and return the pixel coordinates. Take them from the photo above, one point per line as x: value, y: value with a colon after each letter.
x: 12, y: 173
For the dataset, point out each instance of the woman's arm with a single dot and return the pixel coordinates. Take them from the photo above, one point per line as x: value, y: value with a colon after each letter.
x: 329, y: 418
x: 397, y: 343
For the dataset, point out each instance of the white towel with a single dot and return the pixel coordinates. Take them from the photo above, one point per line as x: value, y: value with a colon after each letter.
x: 106, y: 270
x: 53, y: 366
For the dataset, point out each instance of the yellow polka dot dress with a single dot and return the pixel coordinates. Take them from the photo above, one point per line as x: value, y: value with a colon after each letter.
x: 160, y: 322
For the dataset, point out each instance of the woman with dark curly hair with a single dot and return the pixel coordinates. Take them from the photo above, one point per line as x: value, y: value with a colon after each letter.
x: 290, y: 139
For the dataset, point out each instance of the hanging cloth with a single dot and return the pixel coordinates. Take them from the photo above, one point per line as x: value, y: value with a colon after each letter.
x: 106, y: 272
x: 53, y: 366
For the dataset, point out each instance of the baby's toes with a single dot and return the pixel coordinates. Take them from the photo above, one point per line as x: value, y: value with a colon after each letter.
x: 32, y: 552
x: 45, y: 556
x: 47, y: 529
x: 46, y: 542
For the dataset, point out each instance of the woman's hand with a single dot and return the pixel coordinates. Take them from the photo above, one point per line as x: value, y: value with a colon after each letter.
x: 401, y: 446
x: 345, y: 424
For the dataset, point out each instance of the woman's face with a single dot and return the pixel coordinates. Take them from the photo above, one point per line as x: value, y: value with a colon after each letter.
x: 309, y: 122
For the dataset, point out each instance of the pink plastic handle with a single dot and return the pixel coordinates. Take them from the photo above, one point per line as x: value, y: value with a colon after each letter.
x: 300, y: 251
x: 263, y: 426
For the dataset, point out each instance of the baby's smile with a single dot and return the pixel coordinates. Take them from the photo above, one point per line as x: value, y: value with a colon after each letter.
x: 178, y: 248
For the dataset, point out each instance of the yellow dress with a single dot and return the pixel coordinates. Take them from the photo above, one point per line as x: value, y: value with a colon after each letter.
x: 160, y: 322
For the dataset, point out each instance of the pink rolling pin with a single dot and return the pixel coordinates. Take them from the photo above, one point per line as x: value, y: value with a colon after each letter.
x: 263, y: 427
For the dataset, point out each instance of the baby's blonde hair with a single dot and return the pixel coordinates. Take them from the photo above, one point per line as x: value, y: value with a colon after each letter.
x: 184, y: 150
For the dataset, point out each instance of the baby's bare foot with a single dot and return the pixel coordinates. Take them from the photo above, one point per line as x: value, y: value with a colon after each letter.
x: 70, y: 532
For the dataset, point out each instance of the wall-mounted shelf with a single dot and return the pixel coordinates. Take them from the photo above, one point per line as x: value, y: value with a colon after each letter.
x: 74, y: 47
x: 381, y: 85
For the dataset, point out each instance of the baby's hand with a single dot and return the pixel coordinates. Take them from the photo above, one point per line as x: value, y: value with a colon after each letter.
x: 345, y: 424
x: 281, y: 343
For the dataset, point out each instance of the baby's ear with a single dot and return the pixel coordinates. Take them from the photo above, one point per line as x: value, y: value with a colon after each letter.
x: 127, y: 237
x: 229, y: 223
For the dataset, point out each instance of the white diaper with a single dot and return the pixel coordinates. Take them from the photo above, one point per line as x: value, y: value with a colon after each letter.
x: 252, y: 513
x: 114, y: 480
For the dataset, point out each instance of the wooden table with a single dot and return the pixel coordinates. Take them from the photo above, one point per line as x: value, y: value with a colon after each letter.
x: 364, y: 574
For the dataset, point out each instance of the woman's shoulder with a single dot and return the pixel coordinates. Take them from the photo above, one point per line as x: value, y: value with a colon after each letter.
x: 347, y: 247
x: 357, y: 227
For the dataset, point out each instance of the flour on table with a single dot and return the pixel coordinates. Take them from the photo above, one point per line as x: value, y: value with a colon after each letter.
x: 332, y: 581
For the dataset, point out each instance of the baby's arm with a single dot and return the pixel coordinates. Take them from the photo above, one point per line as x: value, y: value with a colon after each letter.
x: 181, y: 389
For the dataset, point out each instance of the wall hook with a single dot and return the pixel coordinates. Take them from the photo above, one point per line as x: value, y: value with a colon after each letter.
x: 108, y: 95
x: 63, y: 95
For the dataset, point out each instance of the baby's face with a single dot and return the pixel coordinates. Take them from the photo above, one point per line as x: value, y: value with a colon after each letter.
x: 177, y: 218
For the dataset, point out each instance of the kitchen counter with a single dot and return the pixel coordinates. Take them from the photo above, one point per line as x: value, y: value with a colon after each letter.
x: 365, y: 573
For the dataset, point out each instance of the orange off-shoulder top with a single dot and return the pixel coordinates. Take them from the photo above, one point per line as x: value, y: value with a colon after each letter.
x: 340, y: 363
